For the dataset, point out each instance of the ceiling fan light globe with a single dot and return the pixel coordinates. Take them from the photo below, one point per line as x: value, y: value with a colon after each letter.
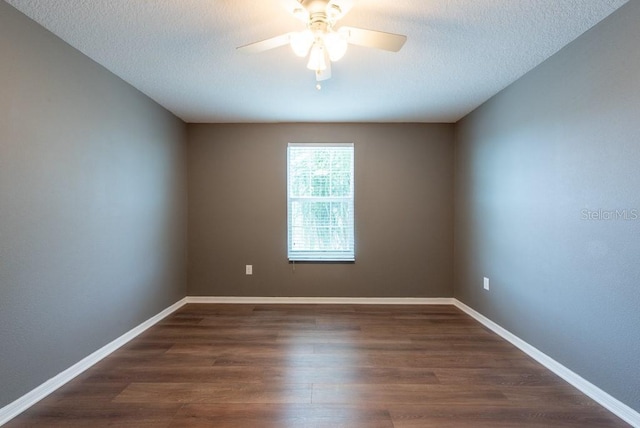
x: 334, y: 12
x: 336, y: 9
x: 301, y: 43
x: 336, y: 44
x: 301, y: 14
x: 317, y: 60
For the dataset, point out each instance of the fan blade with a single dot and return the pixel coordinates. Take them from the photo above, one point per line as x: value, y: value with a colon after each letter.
x: 265, y: 45
x: 375, y: 39
x: 324, y: 74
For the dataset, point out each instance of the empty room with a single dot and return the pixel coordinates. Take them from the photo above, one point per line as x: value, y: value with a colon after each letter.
x: 319, y: 213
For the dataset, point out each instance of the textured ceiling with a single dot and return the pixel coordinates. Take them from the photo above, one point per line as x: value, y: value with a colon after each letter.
x: 182, y: 54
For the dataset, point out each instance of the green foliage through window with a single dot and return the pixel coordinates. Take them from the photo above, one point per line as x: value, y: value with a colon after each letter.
x: 320, y: 202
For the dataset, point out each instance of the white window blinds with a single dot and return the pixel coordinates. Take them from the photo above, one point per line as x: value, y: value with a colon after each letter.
x: 320, y: 202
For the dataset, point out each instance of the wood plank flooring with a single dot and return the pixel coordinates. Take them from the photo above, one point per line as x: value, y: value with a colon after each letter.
x: 317, y: 366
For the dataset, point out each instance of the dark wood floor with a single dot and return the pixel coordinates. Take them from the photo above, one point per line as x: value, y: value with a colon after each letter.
x: 317, y: 366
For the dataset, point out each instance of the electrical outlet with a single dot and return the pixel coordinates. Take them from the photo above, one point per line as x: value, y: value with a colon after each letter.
x: 249, y: 270
x: 486, y: 283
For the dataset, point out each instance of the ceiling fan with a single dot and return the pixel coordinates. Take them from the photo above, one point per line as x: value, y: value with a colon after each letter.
x: 321, y: 41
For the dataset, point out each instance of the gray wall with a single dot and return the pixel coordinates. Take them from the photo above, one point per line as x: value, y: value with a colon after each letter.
x: 92, y: 206
x: 563, y: 139
x: 404, y: 208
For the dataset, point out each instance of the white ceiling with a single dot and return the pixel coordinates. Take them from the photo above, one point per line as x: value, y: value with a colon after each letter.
x: 182, y: 54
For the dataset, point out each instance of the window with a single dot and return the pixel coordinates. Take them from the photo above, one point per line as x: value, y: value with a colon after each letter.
x: 320, y: 202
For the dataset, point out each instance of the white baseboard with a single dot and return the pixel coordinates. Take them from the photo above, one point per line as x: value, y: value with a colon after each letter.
x: 323, y: 300
x: 13, y: 409
x: 618, y: 408
x: 615, y: 406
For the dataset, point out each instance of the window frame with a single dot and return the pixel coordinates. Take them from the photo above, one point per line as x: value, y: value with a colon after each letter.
x: 320, y: 256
